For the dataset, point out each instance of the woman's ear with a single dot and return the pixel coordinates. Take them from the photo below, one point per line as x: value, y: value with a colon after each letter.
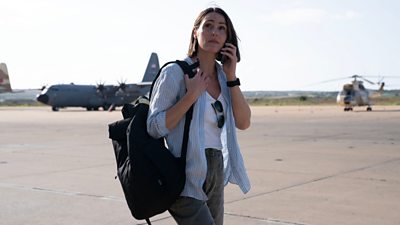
x: 194, y: 34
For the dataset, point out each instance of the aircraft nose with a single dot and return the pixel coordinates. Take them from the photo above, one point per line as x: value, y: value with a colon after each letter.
x: 43, y: 98
x: 347, y: 99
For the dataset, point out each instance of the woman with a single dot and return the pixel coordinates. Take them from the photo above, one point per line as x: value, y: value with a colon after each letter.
x: 213, y: 155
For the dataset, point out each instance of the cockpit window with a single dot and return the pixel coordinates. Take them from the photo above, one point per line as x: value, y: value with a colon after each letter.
x: 53, y: 89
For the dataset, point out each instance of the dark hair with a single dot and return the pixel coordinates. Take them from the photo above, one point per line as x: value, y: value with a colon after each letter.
x: 231, y: 33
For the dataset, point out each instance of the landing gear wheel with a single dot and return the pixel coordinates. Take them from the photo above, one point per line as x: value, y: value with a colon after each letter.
x: 369, y: 108
x: 106, y: 107
x: 55, y: 109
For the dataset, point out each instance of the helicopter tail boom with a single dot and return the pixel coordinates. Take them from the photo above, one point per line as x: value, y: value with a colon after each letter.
x: 377, y: 93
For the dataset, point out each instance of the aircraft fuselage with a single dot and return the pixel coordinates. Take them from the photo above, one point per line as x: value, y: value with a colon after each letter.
x: 88, y: 96
x: 92, y: 97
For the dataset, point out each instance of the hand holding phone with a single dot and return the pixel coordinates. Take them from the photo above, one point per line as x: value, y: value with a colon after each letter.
x: 228, y: 52
x: 229, y: 59
x: 221, y: 57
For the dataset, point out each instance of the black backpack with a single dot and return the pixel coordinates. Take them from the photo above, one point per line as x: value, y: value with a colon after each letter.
x: 151, y: 177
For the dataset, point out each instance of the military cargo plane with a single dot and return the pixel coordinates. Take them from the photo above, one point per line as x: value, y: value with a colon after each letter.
x: 92, y: 97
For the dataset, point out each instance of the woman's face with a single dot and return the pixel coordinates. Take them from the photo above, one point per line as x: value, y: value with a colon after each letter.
x: 212, y: 33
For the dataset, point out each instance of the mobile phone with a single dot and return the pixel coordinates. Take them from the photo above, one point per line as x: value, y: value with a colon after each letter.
x: 220, y: 57
x: 223, y: 59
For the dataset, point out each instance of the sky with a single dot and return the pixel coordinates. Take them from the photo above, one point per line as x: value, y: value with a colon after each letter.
x: 284, y: 44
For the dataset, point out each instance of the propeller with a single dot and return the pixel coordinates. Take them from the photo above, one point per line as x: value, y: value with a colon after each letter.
x: 122, y: 85
x: 100, y: 87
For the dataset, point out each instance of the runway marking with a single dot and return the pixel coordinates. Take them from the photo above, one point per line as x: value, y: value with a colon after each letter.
x: 314, y: 180
x: 253, y: 218
x: 262, y: 220
x: 118, y: 199
x: 61, y: 192
x: 268, y: 221
x: 59, y: 171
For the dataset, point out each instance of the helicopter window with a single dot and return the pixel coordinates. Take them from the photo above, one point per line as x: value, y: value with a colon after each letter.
x: 361, y: 87
x: 349, y: 92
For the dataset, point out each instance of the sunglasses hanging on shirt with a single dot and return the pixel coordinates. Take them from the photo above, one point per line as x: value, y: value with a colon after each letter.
x: 219, y: 112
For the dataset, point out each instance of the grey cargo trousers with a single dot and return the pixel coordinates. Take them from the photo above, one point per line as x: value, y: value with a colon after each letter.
x: 190, y: 211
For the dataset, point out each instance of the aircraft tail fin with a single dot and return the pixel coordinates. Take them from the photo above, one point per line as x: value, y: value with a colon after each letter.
x: 152, y: 68
x: 5, y: 85
x: 381, y: 87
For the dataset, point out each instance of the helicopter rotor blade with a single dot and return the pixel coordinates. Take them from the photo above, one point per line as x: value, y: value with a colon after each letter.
x: 355, y: 76
x: 328, y: 81
x: 380, y: 79
x: 367, y: 80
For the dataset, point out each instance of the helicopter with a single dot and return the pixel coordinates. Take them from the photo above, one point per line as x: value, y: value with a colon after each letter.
x: 355, y: 94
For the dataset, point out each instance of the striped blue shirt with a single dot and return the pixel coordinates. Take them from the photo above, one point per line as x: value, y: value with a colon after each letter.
x: 168, y: 89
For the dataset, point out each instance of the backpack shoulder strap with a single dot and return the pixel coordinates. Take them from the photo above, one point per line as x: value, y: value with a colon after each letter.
x: 191, y: 71
x: 156, y: 77
x: 186, y: 68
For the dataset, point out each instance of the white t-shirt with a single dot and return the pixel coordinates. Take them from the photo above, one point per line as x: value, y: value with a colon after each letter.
x: 212, y: 136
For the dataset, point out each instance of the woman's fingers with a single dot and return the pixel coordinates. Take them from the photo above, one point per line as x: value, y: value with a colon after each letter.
x: 198, y: 84
x: 229, y: 50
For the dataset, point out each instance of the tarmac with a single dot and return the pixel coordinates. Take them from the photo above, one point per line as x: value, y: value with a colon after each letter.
x: 308, y: 165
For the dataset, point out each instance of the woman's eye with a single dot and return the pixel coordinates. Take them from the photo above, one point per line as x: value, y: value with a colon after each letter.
x: 207, y: 25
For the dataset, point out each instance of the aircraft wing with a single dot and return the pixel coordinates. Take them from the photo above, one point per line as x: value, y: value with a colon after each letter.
x: 148, y: 83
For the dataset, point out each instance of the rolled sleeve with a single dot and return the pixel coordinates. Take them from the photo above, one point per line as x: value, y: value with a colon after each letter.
x: 166, y: 93
x: 157, y: 126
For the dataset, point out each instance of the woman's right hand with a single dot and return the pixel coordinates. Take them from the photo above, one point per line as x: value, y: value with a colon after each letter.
x: 196, y: 85
x: 195, y: 88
